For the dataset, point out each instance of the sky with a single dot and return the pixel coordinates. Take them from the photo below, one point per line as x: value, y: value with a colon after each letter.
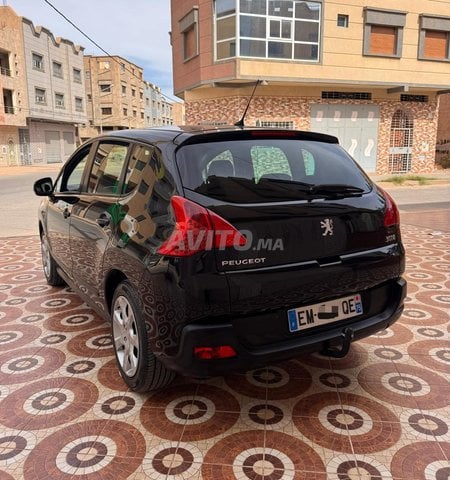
x: 136, y: 30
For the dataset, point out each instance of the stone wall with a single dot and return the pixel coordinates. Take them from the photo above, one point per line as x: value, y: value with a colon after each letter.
x: 228, y: 110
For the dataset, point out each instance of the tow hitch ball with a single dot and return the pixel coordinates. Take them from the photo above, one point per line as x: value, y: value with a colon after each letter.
x: 334, y: 350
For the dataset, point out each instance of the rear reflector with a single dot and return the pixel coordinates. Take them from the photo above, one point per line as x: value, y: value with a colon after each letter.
x: 198, y: 229
x: 212, y: 353
x: 391, y: 214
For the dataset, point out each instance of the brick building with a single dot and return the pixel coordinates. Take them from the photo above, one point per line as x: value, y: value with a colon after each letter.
x: 369, y: 73
x: 43, y: 97
x: 115, y: 95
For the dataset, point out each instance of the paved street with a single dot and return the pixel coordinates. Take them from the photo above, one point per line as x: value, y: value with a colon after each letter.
x: 381, y: 413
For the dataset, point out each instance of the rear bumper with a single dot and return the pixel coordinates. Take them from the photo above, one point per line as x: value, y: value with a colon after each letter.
x: 249, y: 357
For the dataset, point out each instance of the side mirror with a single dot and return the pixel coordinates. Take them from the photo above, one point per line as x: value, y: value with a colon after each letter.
x: 43, y: 187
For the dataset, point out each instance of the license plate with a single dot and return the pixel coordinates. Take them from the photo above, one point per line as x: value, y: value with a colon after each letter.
x: 310, y: 316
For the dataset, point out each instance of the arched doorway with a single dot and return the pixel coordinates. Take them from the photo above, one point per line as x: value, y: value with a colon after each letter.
x: 401, y: 142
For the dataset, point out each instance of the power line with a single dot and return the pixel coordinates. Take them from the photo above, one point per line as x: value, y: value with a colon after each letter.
x: 99, y: 47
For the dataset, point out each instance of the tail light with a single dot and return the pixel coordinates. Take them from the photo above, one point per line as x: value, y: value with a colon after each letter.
x: 391, y: 214
x: 198, y: 229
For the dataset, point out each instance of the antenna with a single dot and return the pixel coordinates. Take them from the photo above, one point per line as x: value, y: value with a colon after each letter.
x: 240, y: 123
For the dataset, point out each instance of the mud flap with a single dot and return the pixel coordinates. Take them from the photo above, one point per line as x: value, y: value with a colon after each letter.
x: 335, y: 351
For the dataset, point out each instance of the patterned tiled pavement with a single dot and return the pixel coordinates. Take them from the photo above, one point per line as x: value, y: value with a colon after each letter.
x: 380, y: 413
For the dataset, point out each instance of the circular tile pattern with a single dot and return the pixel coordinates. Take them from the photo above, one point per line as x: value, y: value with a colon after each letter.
x: 15, y: 446
x: 335, y: 380
x: 434, y: 354
x: 93, y: 343
x: 194, y: 412
x: 54, y: 303
x: 388, y: 353
x: 422, y: 460
x: 404, y: 385
x: 17, y: 336
x: 48, y: 403
x: 276, y: 381
x: 118, y: 405
x: 321, y: 418
x: 32, y: 318
x: 428, y: 424
x: 433, y: 299
x: 78, y: 320
x: 33, y: 289
x: 29, y: 364
x: 80, y: 367
x: 269, y: 415
x: 420, y: 315
x: 356, y: 357
x: 101, y: 450
x: 248, y: 455
x: 53, y: 339
x: 172, y: 458
x: 363, y: 467
x: 430, y: 332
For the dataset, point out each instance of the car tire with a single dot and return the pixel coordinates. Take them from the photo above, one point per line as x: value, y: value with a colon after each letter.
x: 49, y: 265
x: 138, y: 366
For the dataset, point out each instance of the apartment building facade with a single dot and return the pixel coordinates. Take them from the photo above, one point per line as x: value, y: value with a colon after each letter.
x: 14, y: 99
x: 158, y: 111
x: 43, y: 93
x: 114, y: 93
x: 368, y: 72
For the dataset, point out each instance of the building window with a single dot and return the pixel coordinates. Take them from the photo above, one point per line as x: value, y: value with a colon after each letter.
x: 189, y: 32
x: 342, y: 21
x: 141, y: 95
x: 133, y: 92
x: 38, y: 62
x: 57, y: 69
x: 134, y: 113
x: 142, y: 115
x: 59, y: 100
x: 122, y: 67
x: 88, y: 74
x: 434, y: 38
x: 105, y: 87
x: 280, y: 29
x: 78, y: 104
x: 106, y: 110
x: 124, y: 90
x: 89, y: 97
x: 269, y: 123
x: 104, y: 65
x: 76, y: 75
x: 125, y: 112
x: 39, y: 96
x: 383, y: 32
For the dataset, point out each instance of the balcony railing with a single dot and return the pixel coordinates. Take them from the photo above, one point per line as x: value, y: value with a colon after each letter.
x: 10, y: 110
x: 5, y: 71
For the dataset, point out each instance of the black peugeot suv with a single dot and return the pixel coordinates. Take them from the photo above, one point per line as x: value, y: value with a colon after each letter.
x: 212, y: 250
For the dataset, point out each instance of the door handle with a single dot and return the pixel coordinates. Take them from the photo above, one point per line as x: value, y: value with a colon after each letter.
x: 103, y: 220
x: 66, y: 213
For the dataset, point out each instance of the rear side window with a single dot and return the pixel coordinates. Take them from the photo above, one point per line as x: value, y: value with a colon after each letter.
x: 262, y: 170
x: 107, y: 167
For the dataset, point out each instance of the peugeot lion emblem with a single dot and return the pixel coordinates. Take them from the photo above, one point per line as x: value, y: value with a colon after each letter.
x: 327, y: 226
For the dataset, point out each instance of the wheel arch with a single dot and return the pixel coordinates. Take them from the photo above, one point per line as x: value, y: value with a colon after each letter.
x: 113, y: 279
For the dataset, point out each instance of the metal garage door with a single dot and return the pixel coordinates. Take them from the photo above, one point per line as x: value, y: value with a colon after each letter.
x: 52, y: 147
x: 356, y: 126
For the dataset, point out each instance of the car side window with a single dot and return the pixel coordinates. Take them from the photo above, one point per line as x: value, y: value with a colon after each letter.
x: 71, y: 179
x: 109, y: 161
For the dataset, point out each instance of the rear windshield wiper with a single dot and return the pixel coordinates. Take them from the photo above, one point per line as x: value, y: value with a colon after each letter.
x: 335, y: 189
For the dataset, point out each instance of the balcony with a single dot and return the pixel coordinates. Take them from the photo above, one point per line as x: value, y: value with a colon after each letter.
x: 10, y: 110
x: 5, y: 67
x: 5, y: 71
x: 8, y: 102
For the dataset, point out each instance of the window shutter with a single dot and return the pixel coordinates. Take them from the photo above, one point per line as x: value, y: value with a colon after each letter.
x: 383, y: 40
x: 435, y: 45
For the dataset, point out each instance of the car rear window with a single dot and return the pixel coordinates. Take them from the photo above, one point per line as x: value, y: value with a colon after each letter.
x: 262, y: 170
